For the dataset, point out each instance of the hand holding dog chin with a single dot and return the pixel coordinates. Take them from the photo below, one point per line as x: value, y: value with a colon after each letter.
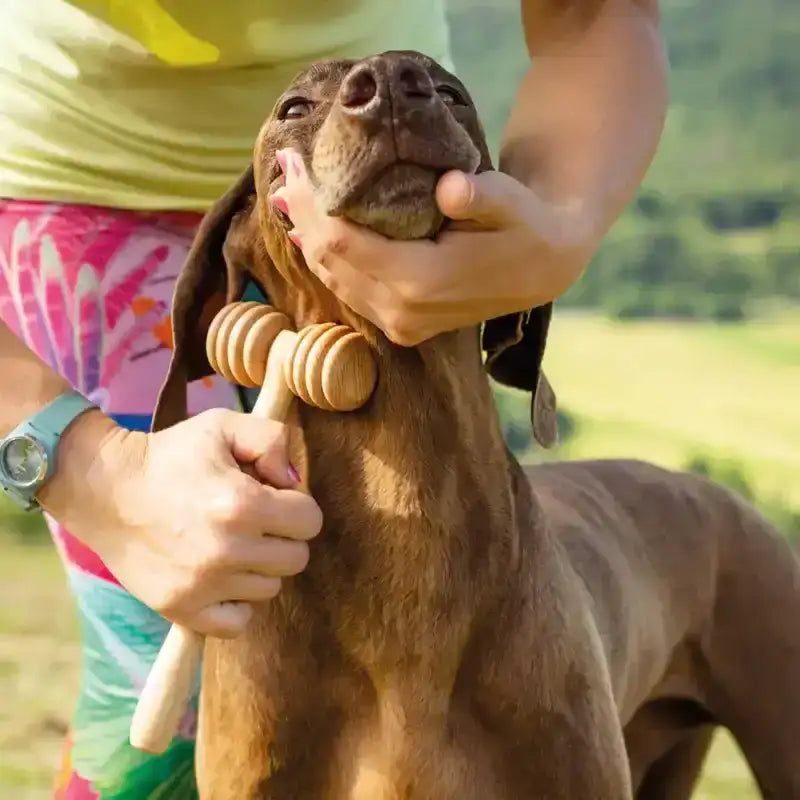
x: 505, y: 251
x: 176, y: 519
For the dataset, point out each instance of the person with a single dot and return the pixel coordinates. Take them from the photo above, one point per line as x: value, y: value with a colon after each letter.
x: 122, y: 122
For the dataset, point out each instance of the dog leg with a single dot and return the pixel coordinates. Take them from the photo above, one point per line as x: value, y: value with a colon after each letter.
x: 752, y: 649
x: 674, y: 775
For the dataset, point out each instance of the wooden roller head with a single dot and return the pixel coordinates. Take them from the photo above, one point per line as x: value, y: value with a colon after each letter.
x: 330, y: 366
x: 239, y: 339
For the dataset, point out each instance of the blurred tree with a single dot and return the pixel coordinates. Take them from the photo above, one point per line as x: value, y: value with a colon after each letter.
x: 733, y: 476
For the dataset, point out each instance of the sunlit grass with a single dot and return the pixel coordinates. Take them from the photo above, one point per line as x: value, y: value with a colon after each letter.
x: 726, y: 776
x: 665, y: 391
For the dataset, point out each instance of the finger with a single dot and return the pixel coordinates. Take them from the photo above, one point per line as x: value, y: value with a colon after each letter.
x: 222, y: 620
x: 241, y: 505
x: 291, y: 162
x: 289, y: 513
x: 297, y: 197
x: 333, y: 242
x: 361, y: 293
x: 490, y: 198
x: 295, y: 202
x: 262, y: 443
x: 269, y: 557
x: 382, y: 306
x: 246, y: 587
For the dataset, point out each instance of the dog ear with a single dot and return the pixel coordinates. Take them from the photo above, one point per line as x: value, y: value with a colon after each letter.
x: 514, y: 345
x: 215, y: 272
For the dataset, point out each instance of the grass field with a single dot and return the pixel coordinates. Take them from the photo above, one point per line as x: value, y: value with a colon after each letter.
x: 665, y: 392
x: 660, y: 392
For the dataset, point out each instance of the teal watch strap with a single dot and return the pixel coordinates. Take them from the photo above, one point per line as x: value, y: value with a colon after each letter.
x: 28, y: 453
x: 51, y: 421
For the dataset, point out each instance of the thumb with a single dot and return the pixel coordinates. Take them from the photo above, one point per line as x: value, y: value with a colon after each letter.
x: 489, y: 198
x: 222, y: 620
x: 261, y: 442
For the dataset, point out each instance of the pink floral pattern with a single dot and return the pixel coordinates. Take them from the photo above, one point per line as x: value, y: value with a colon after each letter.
x: 89, y: 289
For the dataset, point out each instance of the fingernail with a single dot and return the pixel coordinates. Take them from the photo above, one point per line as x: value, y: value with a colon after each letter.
x: 296, y: 163
x: 295, y: 239
x: 280, y: 155
x: 294, y: 475
x: 279, y: 201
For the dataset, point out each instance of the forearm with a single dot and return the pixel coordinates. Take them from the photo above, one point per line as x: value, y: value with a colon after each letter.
x: 588, y: 116
x: 28, y: 384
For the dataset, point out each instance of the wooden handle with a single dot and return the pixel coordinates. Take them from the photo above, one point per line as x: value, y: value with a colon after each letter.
x: 169, y: 685
x: 275, y: 398
x: 167, y: 690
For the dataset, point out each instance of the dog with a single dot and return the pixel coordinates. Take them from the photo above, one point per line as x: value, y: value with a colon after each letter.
x: 466, y: 627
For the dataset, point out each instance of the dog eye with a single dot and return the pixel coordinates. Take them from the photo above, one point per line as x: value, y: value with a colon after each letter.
x: 450, y: 96
x: 295, y: 109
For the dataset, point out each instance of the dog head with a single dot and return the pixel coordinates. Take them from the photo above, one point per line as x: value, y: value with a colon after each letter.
x: 375, y: 135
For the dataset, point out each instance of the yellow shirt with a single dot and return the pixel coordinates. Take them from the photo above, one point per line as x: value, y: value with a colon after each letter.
x: 155, y: 104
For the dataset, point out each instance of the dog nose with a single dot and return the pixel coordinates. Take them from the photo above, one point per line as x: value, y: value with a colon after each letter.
x: 381, y: 84
x: 411, y: 83
x: 359, y: 88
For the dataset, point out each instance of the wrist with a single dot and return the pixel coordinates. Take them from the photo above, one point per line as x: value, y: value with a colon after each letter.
x: 23, y: 405
x: 28, y: 384
x: 568, y: 236
x: 94, y: 456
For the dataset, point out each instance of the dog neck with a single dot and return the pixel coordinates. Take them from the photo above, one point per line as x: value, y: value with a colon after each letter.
x: 417, y: 496
x: 431, y: 423
x: 417, y: 488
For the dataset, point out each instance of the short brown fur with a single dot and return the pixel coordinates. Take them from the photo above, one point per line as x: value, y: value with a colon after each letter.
x: 466, y: 628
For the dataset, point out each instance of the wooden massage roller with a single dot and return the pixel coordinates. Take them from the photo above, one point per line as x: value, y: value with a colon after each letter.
x: 326, y: 365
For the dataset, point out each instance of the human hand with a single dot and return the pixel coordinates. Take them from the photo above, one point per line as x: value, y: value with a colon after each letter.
x: 506, y: 251
x: 177, y: 520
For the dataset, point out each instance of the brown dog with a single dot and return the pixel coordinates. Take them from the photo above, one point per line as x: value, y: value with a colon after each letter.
x: 466, y: 629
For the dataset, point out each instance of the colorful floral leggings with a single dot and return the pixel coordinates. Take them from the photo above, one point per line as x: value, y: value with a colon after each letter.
x: 88, y: 289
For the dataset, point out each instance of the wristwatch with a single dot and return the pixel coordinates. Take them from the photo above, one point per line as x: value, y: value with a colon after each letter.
x: 28, y: 453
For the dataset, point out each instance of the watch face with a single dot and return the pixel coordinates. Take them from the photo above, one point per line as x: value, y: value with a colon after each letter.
x: 23, y: 461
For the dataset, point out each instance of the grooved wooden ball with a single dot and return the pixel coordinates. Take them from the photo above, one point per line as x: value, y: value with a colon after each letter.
x: 329, y: 366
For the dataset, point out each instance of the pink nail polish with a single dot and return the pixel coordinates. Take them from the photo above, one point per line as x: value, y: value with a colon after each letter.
x: 295, y: 239
x: 280, y: 203
x: 294, y: 475
x: 280, y: 155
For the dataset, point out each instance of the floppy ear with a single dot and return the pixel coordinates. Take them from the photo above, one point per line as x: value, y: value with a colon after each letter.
x: 215, y: 273
x: 514, y: 346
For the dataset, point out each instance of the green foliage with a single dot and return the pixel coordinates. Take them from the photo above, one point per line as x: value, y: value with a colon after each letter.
x: 714, y: 232
x: 513, y: 409
x: 733, y: 475
x: 515, y: 422
x: 23, y: 525
x: 725, y: 472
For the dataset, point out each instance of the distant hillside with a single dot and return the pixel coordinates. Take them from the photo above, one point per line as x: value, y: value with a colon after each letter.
x: 715, y: 230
